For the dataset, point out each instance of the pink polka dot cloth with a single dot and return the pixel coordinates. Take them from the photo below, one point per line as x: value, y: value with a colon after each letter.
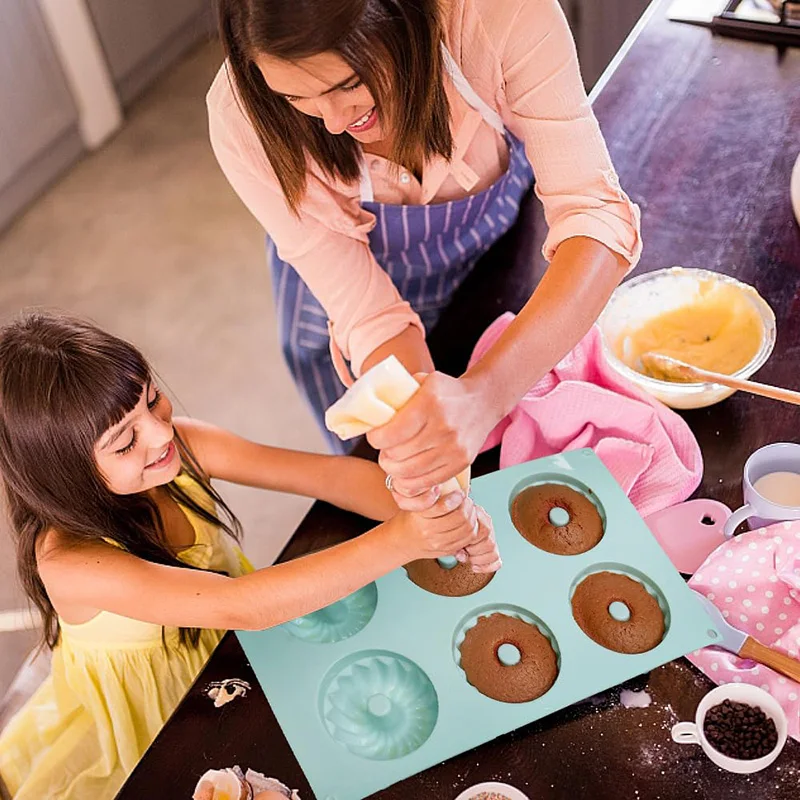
x: 754, y: 579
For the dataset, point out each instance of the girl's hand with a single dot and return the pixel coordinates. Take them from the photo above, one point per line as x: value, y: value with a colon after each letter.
x: 445, y: 528
x: 435, y: 436
x: 484, y: 555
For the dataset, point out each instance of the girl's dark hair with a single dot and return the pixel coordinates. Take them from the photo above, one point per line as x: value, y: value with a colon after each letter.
x: 63, y: 383
x: 392, y: 45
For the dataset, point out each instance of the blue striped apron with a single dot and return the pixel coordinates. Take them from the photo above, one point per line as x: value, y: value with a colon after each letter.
x: 427, y: 251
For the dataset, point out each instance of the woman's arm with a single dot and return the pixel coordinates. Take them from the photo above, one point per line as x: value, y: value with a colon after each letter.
x: 354, y: 484
x: 443, y: 427
x: 409, y: 347
x: 579, y: 282
x: 593, y: 240
x: 98, y: 576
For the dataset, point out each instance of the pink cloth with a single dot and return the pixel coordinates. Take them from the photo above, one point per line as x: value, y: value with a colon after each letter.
x: 582, y: 402
x: 755, y: 580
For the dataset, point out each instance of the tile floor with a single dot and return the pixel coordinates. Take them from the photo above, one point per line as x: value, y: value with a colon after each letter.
x: 147, y: 238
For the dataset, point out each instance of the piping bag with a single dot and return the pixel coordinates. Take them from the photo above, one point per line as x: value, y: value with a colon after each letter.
x: 372, y: 401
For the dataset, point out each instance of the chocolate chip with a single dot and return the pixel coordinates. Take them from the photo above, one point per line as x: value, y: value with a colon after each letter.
x: 738, y: 730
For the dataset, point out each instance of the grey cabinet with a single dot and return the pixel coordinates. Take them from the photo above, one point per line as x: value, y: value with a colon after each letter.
x: 600, y: 27
x: 39, y: 134
x: 143, y: 37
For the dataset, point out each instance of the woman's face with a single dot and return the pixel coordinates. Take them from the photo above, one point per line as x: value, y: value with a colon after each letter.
x: 139, y: 452
x: 325, y: 86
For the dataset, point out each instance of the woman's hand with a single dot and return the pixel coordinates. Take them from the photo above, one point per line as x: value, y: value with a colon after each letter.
x: 447, y: 527
x: 435, y: 436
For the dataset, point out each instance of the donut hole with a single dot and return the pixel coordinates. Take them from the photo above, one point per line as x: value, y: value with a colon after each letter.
x: 557, y: 514
x: 378, y: 705
x: 619, y: 611
x: 517, y: 664
x: 447, y: 562
x: 620, y: 608
x: 508, y: 654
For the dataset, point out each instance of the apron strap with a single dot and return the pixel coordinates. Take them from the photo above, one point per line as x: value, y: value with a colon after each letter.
x: 474, y: 100
x: 489, y: 115
x: 365, y: 185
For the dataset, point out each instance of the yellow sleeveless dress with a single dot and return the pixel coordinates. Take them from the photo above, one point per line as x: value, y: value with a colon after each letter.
x: 113, y: 686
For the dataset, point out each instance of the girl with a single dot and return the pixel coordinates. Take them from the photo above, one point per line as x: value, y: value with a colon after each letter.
x: 385, y: 145
x: 135, y: 571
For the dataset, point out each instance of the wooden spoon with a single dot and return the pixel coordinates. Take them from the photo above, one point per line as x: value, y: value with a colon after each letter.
x: 665, y: 368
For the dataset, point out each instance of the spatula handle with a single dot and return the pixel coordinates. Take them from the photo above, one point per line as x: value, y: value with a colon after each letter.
x: 761, y: 389
x: 774, y: 659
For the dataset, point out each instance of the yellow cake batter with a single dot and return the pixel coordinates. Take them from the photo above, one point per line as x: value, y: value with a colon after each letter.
x: 720, y: 330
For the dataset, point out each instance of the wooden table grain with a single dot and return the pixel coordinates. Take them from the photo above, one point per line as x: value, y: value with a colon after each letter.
x: 704, y: 133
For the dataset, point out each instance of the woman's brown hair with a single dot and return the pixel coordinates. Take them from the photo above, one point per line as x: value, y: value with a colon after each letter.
x: 392, y: 45
x: 63, y: 383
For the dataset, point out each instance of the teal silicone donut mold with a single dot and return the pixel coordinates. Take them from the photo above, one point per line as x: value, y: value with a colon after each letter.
x: 379, y: 705
x: 338, y: 621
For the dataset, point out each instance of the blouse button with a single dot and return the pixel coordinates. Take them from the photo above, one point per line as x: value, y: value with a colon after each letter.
x: 404, y: 177
x: 375, y: 165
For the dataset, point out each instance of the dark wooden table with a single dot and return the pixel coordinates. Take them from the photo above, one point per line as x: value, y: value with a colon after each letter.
x: 704, y: 133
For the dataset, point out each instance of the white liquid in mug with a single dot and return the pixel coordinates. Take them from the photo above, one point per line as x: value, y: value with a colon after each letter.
x: 782, y: 488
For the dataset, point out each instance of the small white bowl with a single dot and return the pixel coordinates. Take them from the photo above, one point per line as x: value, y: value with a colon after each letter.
x: 692, y: 732
x: 640, y: 299
x: 501, y: 788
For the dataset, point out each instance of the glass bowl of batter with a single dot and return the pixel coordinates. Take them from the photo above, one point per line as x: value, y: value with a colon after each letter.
x: 703, y: 318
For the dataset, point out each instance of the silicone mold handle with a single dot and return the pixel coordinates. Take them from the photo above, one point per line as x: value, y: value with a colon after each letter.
x: 737, y: 518
x: 685, y: 733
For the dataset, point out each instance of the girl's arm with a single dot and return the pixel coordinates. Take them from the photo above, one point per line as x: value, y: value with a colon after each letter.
x: 86, y: 578
x: 354, y: 484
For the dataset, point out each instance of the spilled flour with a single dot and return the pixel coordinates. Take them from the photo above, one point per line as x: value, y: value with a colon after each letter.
x: 631, y: 699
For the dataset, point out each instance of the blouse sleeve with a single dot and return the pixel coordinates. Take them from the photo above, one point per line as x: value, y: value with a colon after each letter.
x: 327, y: 245
x: 549, y: 110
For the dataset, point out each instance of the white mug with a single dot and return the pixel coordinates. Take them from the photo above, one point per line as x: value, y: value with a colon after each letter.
x: 692, y: 732
x: 780, y: 457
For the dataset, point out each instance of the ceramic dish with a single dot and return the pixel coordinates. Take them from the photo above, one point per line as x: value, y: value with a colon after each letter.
x: 692, y: 732
x: 502, y: 789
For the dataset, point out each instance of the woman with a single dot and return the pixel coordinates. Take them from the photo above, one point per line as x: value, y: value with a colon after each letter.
x: 385, y: 145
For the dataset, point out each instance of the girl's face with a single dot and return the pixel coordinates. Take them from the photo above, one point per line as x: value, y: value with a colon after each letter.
x: 139, y: 452
x: 325, y: 86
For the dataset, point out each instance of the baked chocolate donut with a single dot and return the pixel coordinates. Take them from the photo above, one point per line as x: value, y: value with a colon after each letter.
x: 458, y: 581
x: 557, y: 519
x: 642, y: 631
x: 529, y: 678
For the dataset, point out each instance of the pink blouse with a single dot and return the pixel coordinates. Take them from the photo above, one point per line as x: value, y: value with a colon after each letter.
x: 520, y: 58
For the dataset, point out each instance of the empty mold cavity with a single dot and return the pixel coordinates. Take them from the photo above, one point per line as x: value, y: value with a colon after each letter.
x: 379, y: 705
x: 338, y: 621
